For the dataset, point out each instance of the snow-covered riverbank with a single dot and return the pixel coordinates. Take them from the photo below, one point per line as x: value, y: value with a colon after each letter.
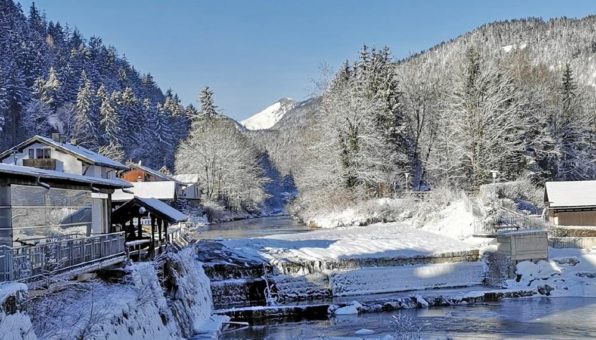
x: 166, y: 299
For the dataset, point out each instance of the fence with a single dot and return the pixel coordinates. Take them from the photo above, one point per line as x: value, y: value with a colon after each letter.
x: 58, y: 255
x: 509, y: 220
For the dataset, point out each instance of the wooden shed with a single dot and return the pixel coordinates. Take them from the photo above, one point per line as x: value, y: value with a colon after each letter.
x: 571, y: 203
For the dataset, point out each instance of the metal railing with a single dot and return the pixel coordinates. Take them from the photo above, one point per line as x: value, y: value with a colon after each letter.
x: 53, y: 257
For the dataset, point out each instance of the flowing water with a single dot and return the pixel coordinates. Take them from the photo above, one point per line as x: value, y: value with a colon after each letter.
x: 542, y: 318
x: 254, y: 227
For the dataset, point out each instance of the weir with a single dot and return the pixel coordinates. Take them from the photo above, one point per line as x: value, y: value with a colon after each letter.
x: 238, y: 281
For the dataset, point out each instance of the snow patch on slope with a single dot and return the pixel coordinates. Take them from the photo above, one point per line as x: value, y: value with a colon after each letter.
x: 270, y: 115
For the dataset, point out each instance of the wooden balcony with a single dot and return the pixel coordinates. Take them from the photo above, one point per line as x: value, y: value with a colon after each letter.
x: 41, y: 163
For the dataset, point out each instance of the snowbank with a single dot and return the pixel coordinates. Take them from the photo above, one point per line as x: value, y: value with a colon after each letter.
x: 456, y: 221
x: 14, y: 323
x: 171, y: 302
x: 569, y: 272
x: 188, y: 292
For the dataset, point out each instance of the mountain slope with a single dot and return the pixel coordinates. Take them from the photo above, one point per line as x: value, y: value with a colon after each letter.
x: 52, y: 79
x: 270, y: 115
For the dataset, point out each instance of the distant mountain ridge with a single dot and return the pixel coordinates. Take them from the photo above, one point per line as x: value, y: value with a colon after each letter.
x: 268, y: 117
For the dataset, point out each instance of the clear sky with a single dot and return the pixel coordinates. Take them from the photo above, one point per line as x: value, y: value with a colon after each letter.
x: 253, y: 52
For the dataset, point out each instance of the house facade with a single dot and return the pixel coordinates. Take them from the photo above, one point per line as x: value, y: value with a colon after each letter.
x: 190, y: 188
x: 54, y: 154
x: 571, y: 203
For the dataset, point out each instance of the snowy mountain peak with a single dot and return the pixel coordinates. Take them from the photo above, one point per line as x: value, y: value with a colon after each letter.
x: 270, y: 115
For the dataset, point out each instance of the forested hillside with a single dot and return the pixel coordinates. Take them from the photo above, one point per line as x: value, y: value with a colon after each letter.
x: 54, y: 80
x: 516, y: 98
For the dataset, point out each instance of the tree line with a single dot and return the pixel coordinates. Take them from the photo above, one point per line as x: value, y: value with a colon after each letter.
x: 54, y: 80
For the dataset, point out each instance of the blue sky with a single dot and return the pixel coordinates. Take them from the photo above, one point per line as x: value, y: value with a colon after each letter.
x: 253, y: 52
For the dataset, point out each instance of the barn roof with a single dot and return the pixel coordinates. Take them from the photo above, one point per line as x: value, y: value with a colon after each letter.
x: 51, y: 177
x: 164, y: 190
x: 572, y: 194
x: 78, y: 152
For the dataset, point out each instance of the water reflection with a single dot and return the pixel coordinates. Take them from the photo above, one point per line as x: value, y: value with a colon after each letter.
x: 560, y: 318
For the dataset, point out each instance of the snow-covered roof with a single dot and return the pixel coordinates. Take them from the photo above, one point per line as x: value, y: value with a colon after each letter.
x: 153, y: 172
x: 164, y: 190
x: 173, y: 214
x: 61, y: 176
x: 571, y: 194
x: 79, y: 152
x: 187, y: 178
x: 153, y: 205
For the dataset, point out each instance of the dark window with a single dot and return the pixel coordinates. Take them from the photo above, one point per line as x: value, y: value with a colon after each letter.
x: 43, y: 153
x: 31, y: 153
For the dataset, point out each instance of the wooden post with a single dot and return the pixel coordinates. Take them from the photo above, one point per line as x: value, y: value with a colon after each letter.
x: 152, y: 234
x: 165, y: 230
x: 139, y: 227
x: 159, y: 223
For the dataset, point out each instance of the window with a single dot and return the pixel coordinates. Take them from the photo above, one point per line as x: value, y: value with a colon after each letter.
x: 31, y: 153
x: 44, y: 153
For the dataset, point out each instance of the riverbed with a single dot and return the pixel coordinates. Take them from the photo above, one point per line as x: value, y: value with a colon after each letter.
x: 560, y: 318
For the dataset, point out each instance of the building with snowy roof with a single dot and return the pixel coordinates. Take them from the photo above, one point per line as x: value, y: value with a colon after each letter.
x: 571, y: 203
x: 57, y: 155
x: 53, y: 221
x: 150, y: 183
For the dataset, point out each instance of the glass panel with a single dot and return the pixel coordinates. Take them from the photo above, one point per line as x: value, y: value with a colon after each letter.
x: 31, y: 153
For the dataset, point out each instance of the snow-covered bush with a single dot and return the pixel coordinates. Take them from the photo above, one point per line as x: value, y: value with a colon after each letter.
x: 433, y: 202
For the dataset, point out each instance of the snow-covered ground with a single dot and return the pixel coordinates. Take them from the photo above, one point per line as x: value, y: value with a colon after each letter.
x: 382, y: 240
x: 568, y: 272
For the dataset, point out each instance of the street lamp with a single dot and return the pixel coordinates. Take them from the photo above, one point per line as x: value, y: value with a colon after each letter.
x: 494, y: 173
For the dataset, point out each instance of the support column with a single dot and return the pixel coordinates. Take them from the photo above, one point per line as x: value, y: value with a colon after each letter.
x: 5, y: 215
x: 152, y: 233
x: 159, y: 222
x: 165, y: 230
x: 109, y: 208
x: 140, y: 227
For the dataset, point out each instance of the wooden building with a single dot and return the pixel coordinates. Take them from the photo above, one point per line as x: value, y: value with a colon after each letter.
x: 571, y: 203
x: 147, y: 222
x: 30, y: 248
x: 141, y: 173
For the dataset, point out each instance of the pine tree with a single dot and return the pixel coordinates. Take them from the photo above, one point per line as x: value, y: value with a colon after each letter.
x: 48, y: 90
x: 86, y: 118
x: 208, y: 108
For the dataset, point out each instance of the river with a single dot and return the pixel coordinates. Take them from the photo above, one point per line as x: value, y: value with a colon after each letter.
x: 560, y: 318
x: 254, y: 227
x: 550, y: 318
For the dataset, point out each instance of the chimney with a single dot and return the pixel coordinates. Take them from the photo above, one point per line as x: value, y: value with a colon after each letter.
x: 56, y: 137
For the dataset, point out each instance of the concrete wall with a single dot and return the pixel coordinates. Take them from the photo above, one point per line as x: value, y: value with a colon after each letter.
x: 99, y: 213
x: 524, y: 245
x: 5, y: 216
x: 572, y: 242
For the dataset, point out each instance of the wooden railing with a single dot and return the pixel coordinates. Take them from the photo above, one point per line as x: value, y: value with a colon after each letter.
x: 41, y: 163
x: 57, y: 256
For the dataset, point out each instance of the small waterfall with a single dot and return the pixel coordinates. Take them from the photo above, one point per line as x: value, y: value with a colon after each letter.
x: 270, y: 300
